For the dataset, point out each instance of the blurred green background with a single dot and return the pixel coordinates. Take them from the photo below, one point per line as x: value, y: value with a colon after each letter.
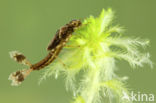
x: 29, y: 25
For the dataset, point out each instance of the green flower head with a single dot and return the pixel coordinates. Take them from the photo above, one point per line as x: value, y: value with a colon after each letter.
x: 96, y: 46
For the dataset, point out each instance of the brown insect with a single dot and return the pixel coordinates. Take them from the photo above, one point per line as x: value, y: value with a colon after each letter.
x: 58, y: 42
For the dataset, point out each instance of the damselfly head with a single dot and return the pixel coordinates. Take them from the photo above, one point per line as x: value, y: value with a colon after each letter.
x: 75, y: 23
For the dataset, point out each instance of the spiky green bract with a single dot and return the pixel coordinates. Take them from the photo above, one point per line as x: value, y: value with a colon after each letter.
x: 97, y: 45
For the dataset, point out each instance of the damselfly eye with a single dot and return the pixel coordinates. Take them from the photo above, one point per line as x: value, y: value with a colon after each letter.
x: 76, y: 23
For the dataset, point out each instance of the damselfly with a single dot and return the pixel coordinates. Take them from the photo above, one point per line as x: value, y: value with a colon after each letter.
x: 58, y: 42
